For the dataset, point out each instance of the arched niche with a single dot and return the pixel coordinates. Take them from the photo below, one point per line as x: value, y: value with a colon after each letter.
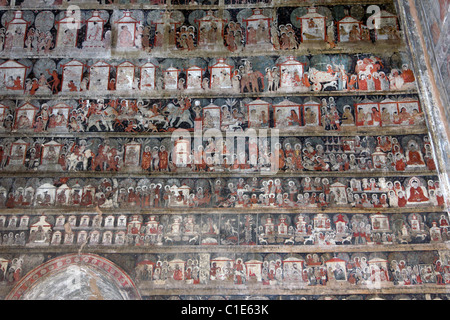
x: 76, y: 277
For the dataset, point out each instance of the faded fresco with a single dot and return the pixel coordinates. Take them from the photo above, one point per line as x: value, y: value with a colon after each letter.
x: 215, y: 149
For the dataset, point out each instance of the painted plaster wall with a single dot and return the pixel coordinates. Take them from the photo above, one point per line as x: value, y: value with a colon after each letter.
x: 355, y: 211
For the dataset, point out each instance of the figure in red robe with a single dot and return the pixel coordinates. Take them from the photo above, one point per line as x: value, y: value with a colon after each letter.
x: 400, y: 164
x: 407, y: 75
x: 377, y: 82
x: 87, y: 198
x: 10, y: 203
x: 146, y: 159
x: 401, y: 200
x: 416, y: 193
x: 281, y: 159
x: 440, y: 199
x: 362, y: 83
x: 415, y: 158
x: 230, y: 41
x: 163, y: 159
x: 351, y: 83
x: 178, y: 273
x: 430, y: 163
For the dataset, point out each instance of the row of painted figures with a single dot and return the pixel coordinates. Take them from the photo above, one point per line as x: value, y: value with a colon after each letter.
x: 367, y: 270
x: 225, y: 229
x: 223, y: 193
x: 370, y: 271
x: 232, y: 115
x: 55, y: 3
x: 25, y: 3
x: 180, y: 154
x: 349, y: 73
x: 149, y: 30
